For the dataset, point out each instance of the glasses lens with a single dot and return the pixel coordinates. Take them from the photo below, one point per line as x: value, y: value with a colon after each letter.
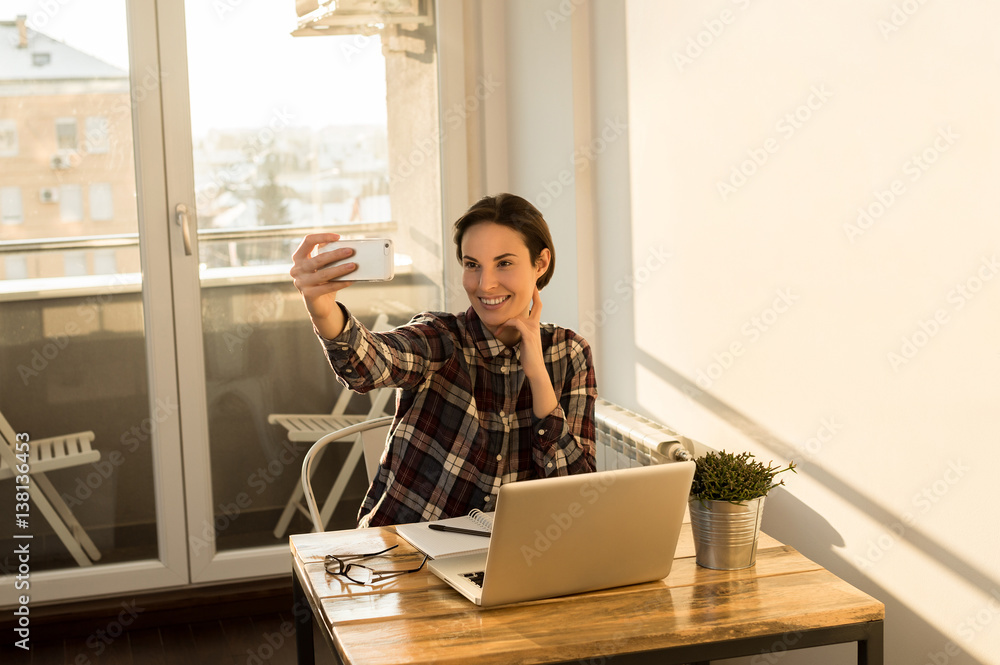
x: 334, y: 566
x: 359, y: 574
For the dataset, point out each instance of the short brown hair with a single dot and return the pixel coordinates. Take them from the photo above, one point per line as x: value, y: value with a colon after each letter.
x: 516, y: 213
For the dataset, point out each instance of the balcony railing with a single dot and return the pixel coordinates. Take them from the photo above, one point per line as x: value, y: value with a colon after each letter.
x: 218, y: 275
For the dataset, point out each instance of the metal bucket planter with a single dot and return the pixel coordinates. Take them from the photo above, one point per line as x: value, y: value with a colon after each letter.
x: 725, y: 534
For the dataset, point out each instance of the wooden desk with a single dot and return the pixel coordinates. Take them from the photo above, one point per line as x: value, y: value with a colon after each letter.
x: 693, y: 616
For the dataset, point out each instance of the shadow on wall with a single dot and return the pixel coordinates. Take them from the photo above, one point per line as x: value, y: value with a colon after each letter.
x: 783, y: 519
x: 786, y: 515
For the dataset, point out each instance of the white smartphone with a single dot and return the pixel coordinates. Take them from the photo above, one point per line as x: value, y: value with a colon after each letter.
x: 374, y: 256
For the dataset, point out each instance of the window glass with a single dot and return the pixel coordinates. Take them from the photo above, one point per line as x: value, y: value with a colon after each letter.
x: 101, y: 206
x: 15, y: 267
x: 75, y: 264
x: 292, y: 135
x: 72, y: 335
x: 66, y: 134
x: 11, y: 207
x: 105, y: 262
x: 70, y: 203
x: 8, y: 138
x: 96, y: 135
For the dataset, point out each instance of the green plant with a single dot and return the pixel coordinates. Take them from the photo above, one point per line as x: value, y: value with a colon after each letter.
x: 722, y: 476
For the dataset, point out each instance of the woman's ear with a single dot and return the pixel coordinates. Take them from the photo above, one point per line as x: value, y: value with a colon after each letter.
x: 542, y: 263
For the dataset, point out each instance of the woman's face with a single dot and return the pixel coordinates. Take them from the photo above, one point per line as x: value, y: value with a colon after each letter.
x: 497, y: 272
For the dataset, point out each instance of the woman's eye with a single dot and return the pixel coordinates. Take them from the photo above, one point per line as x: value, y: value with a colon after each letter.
x: 504, y: 264
x: 469, y: 265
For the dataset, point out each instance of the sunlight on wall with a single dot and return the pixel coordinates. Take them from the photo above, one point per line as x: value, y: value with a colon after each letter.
x: 834, y: 281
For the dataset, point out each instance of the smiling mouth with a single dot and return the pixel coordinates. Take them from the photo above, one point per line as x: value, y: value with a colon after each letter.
x: 493, y: 301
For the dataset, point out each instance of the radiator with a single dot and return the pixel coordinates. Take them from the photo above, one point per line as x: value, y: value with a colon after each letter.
x: 625, y: 439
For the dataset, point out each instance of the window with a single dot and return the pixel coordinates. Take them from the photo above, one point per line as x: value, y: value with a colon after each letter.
x: 105, y: 261
x: 75, y: 264
x: 15, y: 267
x: 8, y: 138
x: 95, y: 138
x: 66, y: 133
x: 11, y: 209
x: 70, y: 203
x: 101, y: 209
x: 41, y: 59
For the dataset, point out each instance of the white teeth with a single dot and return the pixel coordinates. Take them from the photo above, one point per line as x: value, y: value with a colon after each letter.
x: 493, y: 301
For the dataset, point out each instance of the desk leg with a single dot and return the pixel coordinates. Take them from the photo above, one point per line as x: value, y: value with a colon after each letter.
x: 871, y: 651
x: 303, y: 625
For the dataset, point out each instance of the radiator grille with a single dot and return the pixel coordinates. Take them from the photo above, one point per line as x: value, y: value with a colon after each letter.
x: 626, y: 439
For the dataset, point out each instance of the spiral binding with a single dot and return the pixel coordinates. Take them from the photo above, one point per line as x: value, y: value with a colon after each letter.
x: 484, y: 520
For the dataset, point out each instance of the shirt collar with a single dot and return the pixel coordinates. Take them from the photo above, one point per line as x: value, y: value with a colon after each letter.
x: 488, y: 345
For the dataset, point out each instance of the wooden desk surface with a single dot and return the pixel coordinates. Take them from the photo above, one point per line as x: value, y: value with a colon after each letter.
x: 419, y: 619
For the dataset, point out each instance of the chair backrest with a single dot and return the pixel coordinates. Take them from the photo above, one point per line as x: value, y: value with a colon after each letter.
x: 374, y: 441
x: 378, y: 424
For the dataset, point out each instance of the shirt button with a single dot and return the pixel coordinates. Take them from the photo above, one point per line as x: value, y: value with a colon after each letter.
x: 504, y: 369
x: 541, y: 432
x: 487, y: 499
x: 503, y: 415
x: 499, y: 457
x: 549, y: 465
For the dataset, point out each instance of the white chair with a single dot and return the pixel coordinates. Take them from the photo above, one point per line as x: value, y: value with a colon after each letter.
x: 369, y: 441
x: 309, y: 427
x: 43, y: 455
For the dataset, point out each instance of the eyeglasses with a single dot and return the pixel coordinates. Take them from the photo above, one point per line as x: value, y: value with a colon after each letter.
x: 347, y: 566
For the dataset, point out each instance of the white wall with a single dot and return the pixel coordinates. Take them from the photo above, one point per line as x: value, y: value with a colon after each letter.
x: 540, y: 137
x: 758, y: 317
x: 898, y: 452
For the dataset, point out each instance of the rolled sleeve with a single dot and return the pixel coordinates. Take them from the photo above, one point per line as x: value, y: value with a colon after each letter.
x: 563, y: 441
x: 348, y: 353
x: 399, y: 358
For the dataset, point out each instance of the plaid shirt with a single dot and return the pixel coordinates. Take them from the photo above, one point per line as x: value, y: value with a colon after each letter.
x: 464, y: 422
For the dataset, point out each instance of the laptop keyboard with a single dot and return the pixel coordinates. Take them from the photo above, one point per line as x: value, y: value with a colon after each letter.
x: 475, y: 578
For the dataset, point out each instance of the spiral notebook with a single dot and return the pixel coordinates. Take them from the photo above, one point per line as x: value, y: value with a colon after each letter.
x: 437, y: 544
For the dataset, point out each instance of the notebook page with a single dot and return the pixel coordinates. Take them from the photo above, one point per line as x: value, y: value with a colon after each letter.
x: 437, y: 544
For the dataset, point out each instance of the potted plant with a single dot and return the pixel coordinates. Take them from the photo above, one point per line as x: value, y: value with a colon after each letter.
x: 726, y: 503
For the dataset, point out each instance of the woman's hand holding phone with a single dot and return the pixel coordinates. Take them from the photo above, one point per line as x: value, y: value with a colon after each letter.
x: 319, y: 281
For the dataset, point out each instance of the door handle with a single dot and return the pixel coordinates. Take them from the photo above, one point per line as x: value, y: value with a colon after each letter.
x: 183, y: 218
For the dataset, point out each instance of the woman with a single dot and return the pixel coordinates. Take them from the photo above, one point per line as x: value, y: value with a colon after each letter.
x: 487, y: 397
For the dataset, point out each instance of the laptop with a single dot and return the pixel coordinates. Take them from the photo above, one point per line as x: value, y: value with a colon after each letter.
x: 570, y: 534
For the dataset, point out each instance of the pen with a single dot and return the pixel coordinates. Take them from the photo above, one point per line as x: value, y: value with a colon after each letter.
x: 456, y: 529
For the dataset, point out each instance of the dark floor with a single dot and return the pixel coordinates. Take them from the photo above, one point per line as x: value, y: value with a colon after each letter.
x: 267, y: 638
x: 212, y: 631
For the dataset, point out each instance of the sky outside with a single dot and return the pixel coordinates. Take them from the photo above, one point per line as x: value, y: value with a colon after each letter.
x: 249, y: 69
